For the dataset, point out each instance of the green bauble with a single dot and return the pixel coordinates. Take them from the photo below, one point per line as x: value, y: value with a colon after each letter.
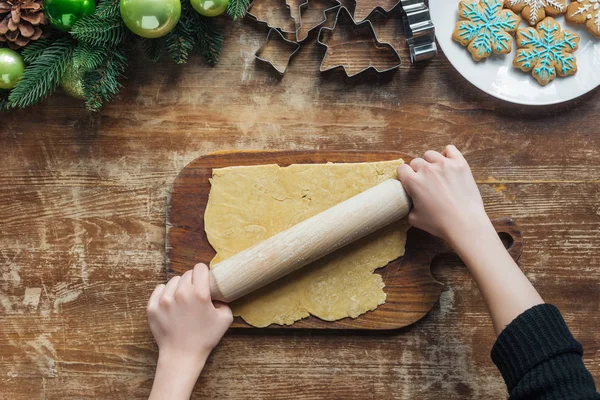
x: 210, y: 8
x: 62, y: 14
x: 150, y: 18
x: 11, y: 68
x: 72, y: 81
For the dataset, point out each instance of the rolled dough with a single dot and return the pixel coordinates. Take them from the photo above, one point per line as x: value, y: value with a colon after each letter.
x: 249, y: 204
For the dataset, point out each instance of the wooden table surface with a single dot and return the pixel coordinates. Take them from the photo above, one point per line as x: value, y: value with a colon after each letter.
x: 82, y: 235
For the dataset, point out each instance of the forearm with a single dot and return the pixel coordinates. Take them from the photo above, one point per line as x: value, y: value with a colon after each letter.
x: 175, y: 378
x: 505, y: 289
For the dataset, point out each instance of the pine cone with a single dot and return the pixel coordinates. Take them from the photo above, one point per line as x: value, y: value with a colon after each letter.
x: 21, y: 21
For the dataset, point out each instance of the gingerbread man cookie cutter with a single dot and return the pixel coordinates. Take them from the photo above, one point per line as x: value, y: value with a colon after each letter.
x: 295, y: 9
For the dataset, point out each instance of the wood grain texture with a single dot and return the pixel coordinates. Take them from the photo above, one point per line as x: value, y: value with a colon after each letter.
x: 82, y: 216
x: 410, y: 288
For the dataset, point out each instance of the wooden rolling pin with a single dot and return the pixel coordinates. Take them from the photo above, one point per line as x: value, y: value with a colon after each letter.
x: 309, y: 240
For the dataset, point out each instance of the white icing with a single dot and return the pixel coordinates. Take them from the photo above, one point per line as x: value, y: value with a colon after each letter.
x: 589, y: 8
x: 536, y: 5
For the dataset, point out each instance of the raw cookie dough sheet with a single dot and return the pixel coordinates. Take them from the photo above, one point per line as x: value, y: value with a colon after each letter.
x: 249, y: 204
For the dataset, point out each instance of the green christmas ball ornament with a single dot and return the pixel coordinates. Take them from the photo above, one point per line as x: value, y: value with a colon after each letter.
x: 150, y: 18
x: 62, y: 14
x: 72, y: 81
x: 11, y: 68
x: 210, y: 8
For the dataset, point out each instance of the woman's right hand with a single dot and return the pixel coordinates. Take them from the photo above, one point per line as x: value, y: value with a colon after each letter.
x: 446, y: 201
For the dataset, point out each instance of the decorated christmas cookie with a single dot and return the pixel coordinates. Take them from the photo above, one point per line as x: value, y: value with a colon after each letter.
x: 546, y: 51
x: 585, y: 12
x: 484, y: 27
x: 533, y: 11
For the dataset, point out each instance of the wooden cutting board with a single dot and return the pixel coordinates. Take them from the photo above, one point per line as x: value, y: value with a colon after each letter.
x: 411, y: 289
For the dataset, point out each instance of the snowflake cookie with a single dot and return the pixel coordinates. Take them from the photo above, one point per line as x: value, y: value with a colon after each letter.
x: 585, y: 12
x: 484, y: 27
x: 536, y: 10
x: 546, y: 51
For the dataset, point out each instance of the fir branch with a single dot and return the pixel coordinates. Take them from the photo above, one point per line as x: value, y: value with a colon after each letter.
x: 88, y: 57
x: 237, y: 8
x: 153, y: 48
x: 4, y: 103
x: 43, y: 75
x: 35, y: 49
x: 210, y: 39
x: 100, y: 31
x: 101, y: 85
x: 180, y: 43
x: 108, y: 8
x: 182, y: 39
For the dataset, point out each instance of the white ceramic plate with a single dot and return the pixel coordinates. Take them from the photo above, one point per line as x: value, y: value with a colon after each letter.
x: 497, y: 76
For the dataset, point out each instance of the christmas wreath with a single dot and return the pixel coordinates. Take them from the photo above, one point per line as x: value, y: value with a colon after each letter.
x: 83, y: 46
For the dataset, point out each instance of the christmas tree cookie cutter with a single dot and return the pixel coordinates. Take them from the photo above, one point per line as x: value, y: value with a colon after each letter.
x: 272, y: 14
x: 416, y: 20
x: 341, y: 54
x: 277, y: 51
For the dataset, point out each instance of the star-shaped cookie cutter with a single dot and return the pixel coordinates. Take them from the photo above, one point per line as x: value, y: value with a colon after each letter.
x: 260, y: 56
x: 364, y: 26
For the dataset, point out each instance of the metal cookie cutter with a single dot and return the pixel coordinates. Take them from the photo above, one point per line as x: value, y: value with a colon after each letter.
x: 272, y: 14
x: 302, y: 32
x: 289, y: 19
x: 360, y: 30
x: 366, y: 10
x: 419, y: 30
x: 277, y: 51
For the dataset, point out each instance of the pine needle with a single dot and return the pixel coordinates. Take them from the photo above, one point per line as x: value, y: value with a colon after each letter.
x: 100, y: 31
x: 43, y: 75
x: 153, y: 48
x: 4, y: 103
x: 194, y: 29
x: 35, y: 49
x: 101, y: 85
x: 182, y: 39
x: 237, y: 8
x: 87, y: 56
x: 180, y: 43
x: 210, y: 39
x: 108, y: 8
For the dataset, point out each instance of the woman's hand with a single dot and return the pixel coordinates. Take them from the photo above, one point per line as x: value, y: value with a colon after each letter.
x: 186, y: 325
x: 446, y: 201
x: 447, y: 204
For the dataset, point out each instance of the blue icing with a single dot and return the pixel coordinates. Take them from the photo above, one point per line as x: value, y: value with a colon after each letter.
x: 548, y: 52
x: 487, y: 25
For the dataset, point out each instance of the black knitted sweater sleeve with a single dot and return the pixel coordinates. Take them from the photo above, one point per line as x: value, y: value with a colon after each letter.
x: 539, y: 358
